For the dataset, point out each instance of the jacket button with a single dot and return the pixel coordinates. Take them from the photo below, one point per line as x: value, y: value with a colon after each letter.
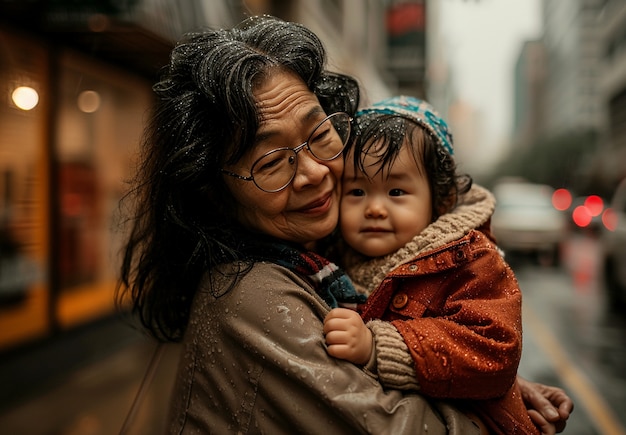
x: 400, y: 300
x: 413, y: 267
x: 460, y: 255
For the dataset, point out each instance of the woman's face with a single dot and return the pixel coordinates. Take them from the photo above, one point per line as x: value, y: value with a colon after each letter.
x: 308, y: 208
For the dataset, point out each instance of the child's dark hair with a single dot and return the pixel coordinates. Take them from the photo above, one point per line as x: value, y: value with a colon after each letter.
x: 383, y: 135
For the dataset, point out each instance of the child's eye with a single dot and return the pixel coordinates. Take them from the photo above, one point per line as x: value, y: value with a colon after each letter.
x: 356, y: 192
x: 396, y: 192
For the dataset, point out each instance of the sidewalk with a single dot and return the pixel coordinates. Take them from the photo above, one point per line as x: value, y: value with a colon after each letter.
x: 85, y: 384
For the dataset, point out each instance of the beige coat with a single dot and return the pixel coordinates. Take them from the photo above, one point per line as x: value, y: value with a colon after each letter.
x: 254, y: 362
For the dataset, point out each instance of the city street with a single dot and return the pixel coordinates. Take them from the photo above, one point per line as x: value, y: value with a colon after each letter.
x: 573, y: 339
x: 145, y: 143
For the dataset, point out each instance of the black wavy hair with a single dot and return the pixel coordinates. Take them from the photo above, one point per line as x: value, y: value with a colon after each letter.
x: 205, y: 117
x: 375, y: 130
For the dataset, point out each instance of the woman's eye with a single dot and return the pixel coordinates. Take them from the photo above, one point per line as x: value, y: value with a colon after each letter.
x: 266, y: 164
x: 321, y: 137
x: 269, y: 164
x: 396, y: 192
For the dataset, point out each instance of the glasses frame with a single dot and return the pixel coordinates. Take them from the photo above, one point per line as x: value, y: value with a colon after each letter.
x: 295, y: 151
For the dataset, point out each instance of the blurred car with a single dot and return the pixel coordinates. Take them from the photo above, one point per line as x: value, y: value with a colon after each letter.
x: 613, y: 247
x: 526, y: 222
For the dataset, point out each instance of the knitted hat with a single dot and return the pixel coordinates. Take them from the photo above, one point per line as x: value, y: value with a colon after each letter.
x: 418, y: 111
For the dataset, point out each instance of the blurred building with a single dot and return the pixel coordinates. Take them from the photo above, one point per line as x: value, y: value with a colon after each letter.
x: 439, y: 78
x: 467, y: 125
x: 529, y: 82
x: 573, y: 55
x: 573, y: 80
x: 612, y: 89
x: 406, y: 45
x: 382, y: 44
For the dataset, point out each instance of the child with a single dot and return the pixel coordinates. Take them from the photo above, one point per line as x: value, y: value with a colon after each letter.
x: 448, y: 306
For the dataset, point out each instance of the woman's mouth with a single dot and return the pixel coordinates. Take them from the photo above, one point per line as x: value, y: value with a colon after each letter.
x: 321, y: 205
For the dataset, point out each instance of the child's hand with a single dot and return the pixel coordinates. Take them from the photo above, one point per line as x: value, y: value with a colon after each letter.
x: 347, y: 336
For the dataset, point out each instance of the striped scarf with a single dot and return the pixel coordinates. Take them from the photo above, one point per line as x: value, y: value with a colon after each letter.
x: 330, y: 281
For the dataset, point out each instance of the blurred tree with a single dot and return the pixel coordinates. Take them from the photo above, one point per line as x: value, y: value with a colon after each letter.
x: 561, y: 161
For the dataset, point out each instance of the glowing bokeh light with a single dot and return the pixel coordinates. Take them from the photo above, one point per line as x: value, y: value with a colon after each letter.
x: 88, y: 101
x: 24, y: 97
x: 594, y: 204
x: 581, y: 216
x: 561, y: 199
x: 609, y: 219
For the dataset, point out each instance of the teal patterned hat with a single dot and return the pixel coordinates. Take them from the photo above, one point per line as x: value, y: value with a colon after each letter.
x: 418, y: 111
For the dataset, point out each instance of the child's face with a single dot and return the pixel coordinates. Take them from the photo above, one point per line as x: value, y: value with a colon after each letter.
x: 381, y: 215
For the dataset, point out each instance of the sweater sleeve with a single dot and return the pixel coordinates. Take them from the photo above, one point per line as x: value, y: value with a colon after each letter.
x: 394, y: 366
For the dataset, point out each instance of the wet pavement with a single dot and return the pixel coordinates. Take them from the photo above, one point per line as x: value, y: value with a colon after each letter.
x: 85, y: 384
x: 573, y: 339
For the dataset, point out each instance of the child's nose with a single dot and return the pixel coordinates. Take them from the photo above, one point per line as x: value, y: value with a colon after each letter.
x: 375, y: 210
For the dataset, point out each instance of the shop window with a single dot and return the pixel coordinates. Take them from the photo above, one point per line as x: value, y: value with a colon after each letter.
x: 100, y: 122
x: 24, y: 288
x: 63, y: 166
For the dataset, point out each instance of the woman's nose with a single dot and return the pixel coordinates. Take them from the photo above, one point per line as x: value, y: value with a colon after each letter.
x: 310, y: 171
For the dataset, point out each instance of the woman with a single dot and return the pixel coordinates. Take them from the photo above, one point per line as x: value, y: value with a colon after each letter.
x: 240, y: 176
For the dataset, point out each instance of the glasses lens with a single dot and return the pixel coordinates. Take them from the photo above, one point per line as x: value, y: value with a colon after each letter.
x: 275, y: 169
x: 330, y: 137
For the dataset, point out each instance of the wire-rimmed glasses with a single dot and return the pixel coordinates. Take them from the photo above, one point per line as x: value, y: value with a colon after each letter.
x: 274, y: 170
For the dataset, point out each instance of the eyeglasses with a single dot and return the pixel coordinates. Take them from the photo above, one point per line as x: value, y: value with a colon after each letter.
x: 274, y: 170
